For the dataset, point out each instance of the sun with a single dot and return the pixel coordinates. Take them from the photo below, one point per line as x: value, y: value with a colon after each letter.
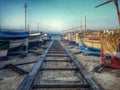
x: 56, y: 24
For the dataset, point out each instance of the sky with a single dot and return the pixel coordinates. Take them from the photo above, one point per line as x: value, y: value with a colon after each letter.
x: 57, y: 15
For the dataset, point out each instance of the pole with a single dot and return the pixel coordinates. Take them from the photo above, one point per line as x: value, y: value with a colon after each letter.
x: 25, y: 6
x: 85, y: 23
x: 81, y: 25
x: 38, y: 28
x: 28, y: 28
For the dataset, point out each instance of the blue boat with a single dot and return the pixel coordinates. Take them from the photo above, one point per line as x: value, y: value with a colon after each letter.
x: 18, y: 41
x: 13, y: 35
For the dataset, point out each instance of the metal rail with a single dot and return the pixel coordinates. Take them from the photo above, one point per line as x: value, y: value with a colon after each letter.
x: 85, y: 80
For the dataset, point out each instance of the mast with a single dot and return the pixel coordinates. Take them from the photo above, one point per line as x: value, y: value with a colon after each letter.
x: 38, y: 28
x: 117, y: 7
x: 85, y: 23
x: 81, y: 25
x: 28, y: 28
x: 25, y: 6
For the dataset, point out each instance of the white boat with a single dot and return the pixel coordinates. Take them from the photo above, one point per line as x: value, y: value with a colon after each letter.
x: 4, y: 45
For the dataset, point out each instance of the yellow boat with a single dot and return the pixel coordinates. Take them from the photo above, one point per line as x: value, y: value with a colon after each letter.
x: 89, y: 42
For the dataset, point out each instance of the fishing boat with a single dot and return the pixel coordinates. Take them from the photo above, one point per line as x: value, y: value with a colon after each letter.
x: 65, y: 38
x: 72, y: 39
x: 45, y: 38
x: 4, y: 46
x: 35, y: 39
x: 89, y: 42
x: 18, y: 41
x: 110, y: 48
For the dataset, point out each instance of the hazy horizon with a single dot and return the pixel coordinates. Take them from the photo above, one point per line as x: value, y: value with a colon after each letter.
x: 57, y: 15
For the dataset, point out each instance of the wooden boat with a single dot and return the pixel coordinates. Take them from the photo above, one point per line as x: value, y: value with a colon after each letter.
x: 70, y: 37
x: 65, y: 38
x: 89, y: 42
x: 110, y: 48
x: 35, y: 39
x: 18, y: 41
x: 4, y: 46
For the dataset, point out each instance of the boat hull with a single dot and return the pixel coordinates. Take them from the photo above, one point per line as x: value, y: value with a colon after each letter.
x: 4, y: 45
x: 73, y: 42
x: 90, y: 46
x: 110, y: 60
x: 34, y: 41
x: 18, y: 46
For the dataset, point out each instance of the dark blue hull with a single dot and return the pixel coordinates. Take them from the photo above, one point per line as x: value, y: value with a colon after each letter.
x: 88, y: 50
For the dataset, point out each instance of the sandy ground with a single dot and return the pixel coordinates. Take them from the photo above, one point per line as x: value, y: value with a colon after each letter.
x: 9, y: 79
x: 109, y: 78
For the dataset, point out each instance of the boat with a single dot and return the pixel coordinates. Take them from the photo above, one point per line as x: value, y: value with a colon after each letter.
x: 110, y: 48
x: 4, y: 46
x: 110, y: 42
x: 89, y: 42
x: 45, y: 38
x: 71, y: 38
x: 18, y: 41
x: 35, y: 39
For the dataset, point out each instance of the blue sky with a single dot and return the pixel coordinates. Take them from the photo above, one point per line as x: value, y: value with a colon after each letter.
x: 57, y: 15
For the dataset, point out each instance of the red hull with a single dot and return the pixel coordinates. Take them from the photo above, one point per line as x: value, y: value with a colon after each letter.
x: 110, y: 61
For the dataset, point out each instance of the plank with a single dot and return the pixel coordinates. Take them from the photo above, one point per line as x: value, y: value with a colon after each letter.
x: 61, y: 86
x: 16, y: 69
x: 59, y: 69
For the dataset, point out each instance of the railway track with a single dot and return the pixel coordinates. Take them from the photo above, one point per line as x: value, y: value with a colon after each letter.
x: 58, y: 69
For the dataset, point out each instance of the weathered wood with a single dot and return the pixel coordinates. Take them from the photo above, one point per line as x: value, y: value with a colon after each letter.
x: 89, y: 82
x: 25, y: 63
x: 49, y: 79
x: 61, y: 86
x: 58, y: 60
x: 98, y: 68
x: 16, y: 69
x: 59, y: 69
x: 28, y: 80
x: 57, y: 55
x: 60, y: 52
